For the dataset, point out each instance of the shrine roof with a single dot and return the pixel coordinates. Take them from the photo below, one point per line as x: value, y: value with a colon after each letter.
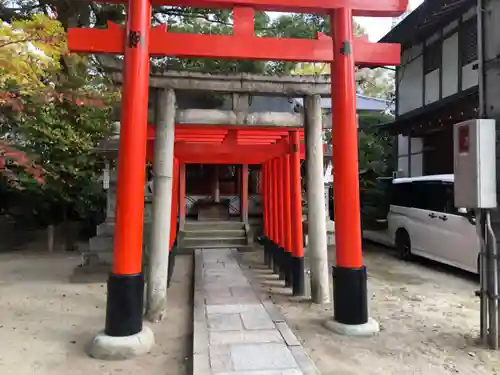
x: 425, y: 20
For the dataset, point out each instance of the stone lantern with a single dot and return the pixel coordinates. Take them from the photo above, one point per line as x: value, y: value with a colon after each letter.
x: 100, y: 249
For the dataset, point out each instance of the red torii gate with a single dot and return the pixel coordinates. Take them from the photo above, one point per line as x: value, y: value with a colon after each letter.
x: 202, y: 144
x: 138, y: 41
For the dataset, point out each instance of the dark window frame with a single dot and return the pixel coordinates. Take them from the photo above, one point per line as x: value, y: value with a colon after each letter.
x: 468, y: 42
x: 433, y: 56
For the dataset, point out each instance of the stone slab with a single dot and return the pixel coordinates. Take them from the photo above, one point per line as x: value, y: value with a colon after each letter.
x: 220, y: 358
x: 242, y: 290
x: 305, y: 363
x: 265, y: 372
x: 257, y: 320
x: 234, y: 309
x: 217, y: 293
x: 225, y: 322
x: 243, y: 300
x: 236, y: 333
x: 273, y: 311
x: 262, y: 357
x: 244, y: 337
x: 201, y: 364
x: 287, y: 334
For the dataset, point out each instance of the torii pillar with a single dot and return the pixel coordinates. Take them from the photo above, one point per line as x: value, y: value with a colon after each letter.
x: 124, y: 335
x: 350, y: 306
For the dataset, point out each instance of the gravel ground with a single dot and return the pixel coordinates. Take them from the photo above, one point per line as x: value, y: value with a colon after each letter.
x: 428, y: 314
x: 46, y: 322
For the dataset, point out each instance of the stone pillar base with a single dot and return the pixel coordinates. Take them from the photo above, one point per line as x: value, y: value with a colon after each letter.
x: 368, y: 329
x: 121, y: 348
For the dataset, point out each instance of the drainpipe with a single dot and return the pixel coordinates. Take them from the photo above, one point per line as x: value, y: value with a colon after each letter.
x: 481, y: 59
x: 489, y: 268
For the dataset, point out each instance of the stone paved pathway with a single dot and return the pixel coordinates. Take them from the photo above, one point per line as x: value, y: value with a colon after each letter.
x: 234, y: 332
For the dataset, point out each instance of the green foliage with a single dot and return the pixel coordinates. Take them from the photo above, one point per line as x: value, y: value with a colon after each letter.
x: 58, y: 136
x: 376, y: 160
x: 53, y: 119
x: 29, y: 52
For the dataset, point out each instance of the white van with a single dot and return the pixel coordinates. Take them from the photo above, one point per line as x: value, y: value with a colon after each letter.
x: 423, y: 221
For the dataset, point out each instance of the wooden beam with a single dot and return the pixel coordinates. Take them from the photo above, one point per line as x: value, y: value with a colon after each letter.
x: 245, y: 46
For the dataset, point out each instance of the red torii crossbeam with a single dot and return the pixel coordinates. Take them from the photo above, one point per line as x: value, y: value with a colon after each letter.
x: 242, y: 44
x: 225, y: 145
x: 247, y: 46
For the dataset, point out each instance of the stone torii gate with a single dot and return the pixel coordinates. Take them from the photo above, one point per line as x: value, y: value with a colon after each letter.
x: 124, y: 328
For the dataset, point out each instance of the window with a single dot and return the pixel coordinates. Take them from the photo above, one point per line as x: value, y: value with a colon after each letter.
x: 432, y: 57
x: 431, y: 195
x: 468, y: 41
x: 402, y: 195
x: 424, y: 195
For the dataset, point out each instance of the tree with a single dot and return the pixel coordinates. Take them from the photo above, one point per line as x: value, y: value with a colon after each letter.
x: 55, y: 113
x: 30, y: 51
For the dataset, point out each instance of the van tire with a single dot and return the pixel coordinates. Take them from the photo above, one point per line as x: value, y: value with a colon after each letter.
x: 403, y: 244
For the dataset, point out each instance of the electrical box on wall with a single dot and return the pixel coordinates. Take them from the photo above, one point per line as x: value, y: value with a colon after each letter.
x: 474, y: 144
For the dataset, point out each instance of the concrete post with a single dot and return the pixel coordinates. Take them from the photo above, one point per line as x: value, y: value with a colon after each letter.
x: 182, y: 195
x: 327, y: 196
x: 111, y: 197
x: 216, y: 186
x: 244, y: 193
x: 163, y: 165
x: 318, y: 252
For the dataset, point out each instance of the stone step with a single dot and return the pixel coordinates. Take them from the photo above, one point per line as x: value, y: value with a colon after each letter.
x: 203, y: 242
x: 213, y: 225
x: 189, y: 249
x: 226, y: 233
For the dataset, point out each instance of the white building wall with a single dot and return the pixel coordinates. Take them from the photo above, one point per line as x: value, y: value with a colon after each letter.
x: 410, y: 86
x: 432, y: 85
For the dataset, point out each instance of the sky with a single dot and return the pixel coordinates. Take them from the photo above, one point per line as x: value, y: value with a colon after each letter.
x: 378, y: 27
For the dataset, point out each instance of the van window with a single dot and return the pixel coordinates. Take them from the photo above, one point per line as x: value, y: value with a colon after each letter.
x: 424, y: 195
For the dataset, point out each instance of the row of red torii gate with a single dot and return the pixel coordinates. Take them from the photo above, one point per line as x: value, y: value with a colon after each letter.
x: 279, y: 156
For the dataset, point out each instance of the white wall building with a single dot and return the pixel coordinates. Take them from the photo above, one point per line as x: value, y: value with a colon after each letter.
x: 437, y: 83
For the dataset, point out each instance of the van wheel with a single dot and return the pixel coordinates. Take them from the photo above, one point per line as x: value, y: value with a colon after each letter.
x: 403, y: 244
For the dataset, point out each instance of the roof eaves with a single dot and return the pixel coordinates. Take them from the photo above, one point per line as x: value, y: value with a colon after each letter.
x: 424, y: 19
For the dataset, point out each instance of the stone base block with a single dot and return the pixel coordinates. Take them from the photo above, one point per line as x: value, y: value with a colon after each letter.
x: 106, y: 229
x: 368, y: 329
x: 122, y: 348
x: 101, y: 243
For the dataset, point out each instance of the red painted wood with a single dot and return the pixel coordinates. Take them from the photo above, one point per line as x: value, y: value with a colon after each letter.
x: 127, y: 258
x: 345, y: 150
x: 164, y: 43
x: 287, y: 203
x: 296, y: 197
x: 265, y: 198
x: 281, y: 211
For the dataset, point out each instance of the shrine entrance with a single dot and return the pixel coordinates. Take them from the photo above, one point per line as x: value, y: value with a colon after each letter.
x: 124, y: 332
